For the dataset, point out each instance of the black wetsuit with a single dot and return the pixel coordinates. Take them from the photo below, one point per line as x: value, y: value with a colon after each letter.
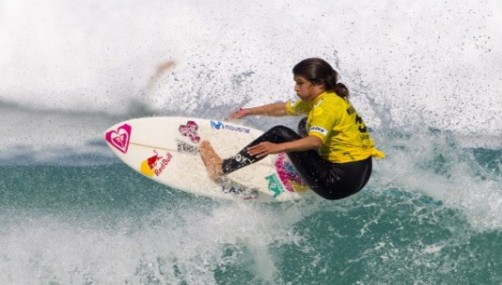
x: 329, y: 180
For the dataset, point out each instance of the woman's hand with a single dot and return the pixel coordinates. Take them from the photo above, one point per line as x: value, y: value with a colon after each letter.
x: 242, y: 112
x: 274, y: 109
x: 263, y: 149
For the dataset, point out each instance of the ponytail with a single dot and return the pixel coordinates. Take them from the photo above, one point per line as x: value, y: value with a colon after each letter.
x: 341, y: 90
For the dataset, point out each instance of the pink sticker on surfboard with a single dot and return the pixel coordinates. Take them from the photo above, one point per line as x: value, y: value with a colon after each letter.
x: 190, y: 130
x: 119, y: 138
x: 288, y: 175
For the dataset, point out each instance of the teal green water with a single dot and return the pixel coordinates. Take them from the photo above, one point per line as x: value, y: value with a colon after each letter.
x: 106, y: 224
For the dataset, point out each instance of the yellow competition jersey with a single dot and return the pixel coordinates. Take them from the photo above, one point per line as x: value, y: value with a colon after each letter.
x: 342, y: 131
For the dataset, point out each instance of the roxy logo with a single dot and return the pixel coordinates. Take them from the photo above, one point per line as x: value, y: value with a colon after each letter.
x: 242, y: 159
x: 274, y: 185
x: 219, y: 125
x: 119, y: 138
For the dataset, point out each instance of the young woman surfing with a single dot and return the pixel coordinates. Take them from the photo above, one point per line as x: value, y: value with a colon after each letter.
x: 333, y: 150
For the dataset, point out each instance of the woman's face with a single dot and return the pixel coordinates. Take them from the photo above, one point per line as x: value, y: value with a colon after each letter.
x: 306, y: 90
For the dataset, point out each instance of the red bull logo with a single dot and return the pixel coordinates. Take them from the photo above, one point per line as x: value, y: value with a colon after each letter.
x: 119, y: 138
x: 156, y: 164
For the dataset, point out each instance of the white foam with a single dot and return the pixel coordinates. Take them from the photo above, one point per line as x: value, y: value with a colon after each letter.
x: 172, y: 246
x: 430, y: 62
x: 412, y: 66
x: 435, y: 166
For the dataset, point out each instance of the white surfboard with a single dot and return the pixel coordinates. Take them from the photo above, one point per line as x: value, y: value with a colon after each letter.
x: 165, y: 149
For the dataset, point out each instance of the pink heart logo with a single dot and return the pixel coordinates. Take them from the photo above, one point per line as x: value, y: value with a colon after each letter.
x: 119, y: 138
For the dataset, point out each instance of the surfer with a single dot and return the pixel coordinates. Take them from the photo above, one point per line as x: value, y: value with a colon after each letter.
x: 332, y: 150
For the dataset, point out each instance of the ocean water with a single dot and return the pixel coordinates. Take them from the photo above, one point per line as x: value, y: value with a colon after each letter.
x: 426, y: 77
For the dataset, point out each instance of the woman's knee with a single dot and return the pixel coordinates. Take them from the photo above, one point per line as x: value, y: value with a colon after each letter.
x: 284, y: 132
x: 302, y: 127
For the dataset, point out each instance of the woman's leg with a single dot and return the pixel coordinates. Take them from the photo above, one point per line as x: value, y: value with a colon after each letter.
x: 302, y: 127
x: 345, y: 179
x: 278, y: 134
x: 312, y: 168
x: 329, y: 180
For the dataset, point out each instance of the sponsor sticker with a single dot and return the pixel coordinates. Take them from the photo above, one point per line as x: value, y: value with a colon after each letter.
x: 190, y: 130
x: 231, y: 187
x: 186, y: 148
x: 288, y: 175
x: 219, y: 125
x: 319, y: 130
x: 244, y: 193
x: 274, y: 185
x: 155, y: 164
x: 119, y: 138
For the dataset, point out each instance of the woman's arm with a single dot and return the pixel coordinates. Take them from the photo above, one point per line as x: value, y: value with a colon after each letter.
x: 274, y: 109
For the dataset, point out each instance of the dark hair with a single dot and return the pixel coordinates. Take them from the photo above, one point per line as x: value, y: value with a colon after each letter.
x: 318, y: 71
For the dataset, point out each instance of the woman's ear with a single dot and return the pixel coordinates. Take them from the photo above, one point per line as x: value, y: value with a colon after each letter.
x: 320, y: 86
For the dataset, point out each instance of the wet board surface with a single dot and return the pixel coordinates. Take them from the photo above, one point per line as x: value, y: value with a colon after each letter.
x: 165, y: 149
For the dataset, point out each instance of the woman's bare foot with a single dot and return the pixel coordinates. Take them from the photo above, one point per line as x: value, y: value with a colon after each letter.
x: 211, y: 160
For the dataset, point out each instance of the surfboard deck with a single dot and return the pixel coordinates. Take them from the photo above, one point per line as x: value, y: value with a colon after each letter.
x: 165, y: 149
